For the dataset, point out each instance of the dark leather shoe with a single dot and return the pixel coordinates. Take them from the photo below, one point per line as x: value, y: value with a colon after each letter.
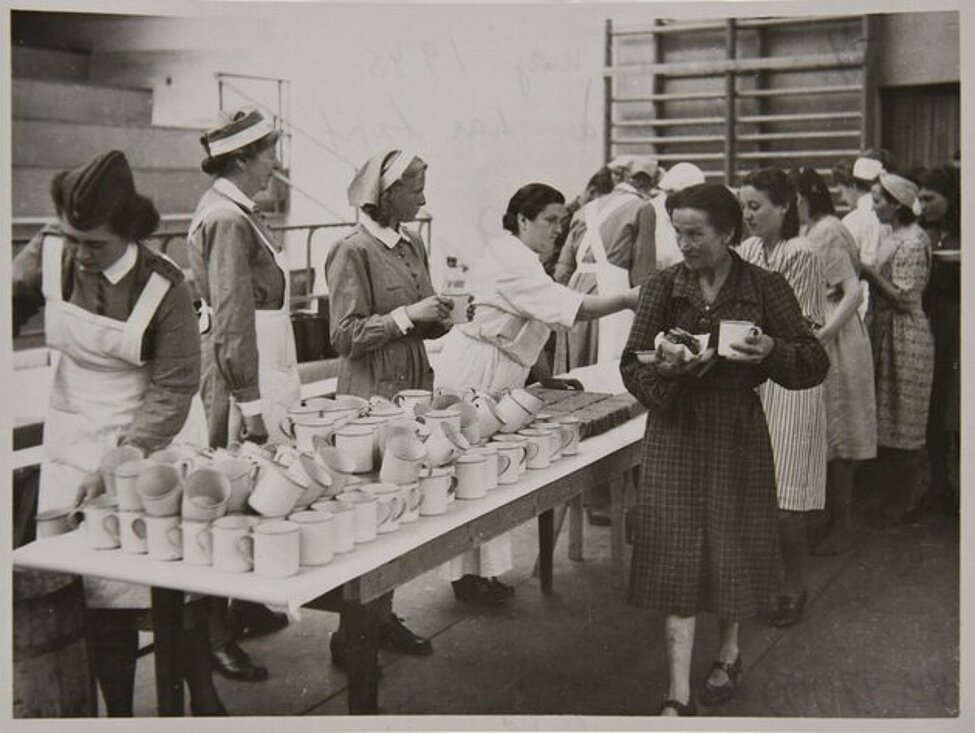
x: 683, y: 709
x: 233, y: 663
x: 482, y: 591
x: 252, y: 619
x: 789, y: 611
x: 714, y: 694
x: 394, y: 635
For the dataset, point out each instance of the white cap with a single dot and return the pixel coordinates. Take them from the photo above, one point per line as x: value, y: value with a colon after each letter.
x: 620, y: 161
x: 681, y: 176
x: 867, y: 169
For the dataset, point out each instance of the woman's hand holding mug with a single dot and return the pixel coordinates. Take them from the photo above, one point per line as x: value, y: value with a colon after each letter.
x: 430, y: 310
x: 254, y: 429
x: 754, y: 349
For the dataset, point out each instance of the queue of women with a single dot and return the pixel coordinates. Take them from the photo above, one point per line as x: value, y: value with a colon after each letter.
x: 742, y: 438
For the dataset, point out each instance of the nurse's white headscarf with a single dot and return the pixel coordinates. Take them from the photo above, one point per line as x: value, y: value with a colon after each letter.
x: 380, y: 172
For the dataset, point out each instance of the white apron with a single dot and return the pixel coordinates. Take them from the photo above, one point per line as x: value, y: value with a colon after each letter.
x: 277, y: 357
x: 99, y: 384
x: 610, y: 280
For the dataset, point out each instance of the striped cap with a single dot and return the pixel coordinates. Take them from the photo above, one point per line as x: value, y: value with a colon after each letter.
x: 242, y: 130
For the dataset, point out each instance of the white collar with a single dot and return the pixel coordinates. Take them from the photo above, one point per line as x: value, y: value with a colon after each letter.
x: 387, y: 235
x: 229, y: 189
x: 122, y: 266
x: 628, y: 187
x: 865, y: 202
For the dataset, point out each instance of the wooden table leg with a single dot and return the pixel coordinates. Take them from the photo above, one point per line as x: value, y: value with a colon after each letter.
x: 546, y: 548
x: 575, y: 528
x: 167, y: 628
x: 361, y: 622
x: 617, y: 535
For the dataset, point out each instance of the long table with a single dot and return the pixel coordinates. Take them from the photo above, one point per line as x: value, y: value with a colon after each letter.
x: 353, y: 583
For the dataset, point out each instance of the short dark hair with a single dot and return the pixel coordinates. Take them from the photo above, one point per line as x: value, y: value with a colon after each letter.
x: 774, y: 183
x: 810, y: 185
x: 720, y: 205
x: 601, y: 181
x: 529, y: 201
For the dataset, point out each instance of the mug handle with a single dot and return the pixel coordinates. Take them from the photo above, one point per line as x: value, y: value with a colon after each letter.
x: 531, y: 451
x: 176, y: 532
x: 245, y: 546
x: 398, y: 399
x: 524, y: 457
x: 204, y: 540
x: 287, y: 426
x: 504, y: 463
x: 75, y: 518
x: 384, y: 512
x: 110, y: 523
x: 566, y: 438
x: 452, y: 486
x: 755, y: 331
x: 416, y: 498
x: 139, y: 527
x: 184, y: 466
x: 254, y: 472
x: 400, y: 507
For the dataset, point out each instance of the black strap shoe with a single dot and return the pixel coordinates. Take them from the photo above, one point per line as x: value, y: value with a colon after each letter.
x: 394, y: 635
x: 233, y: 663
x: 683, y: 709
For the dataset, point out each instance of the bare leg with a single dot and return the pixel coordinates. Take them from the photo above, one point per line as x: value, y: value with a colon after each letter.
x: 840, y: 485
x: 680, y: 646
x: 727, y: 651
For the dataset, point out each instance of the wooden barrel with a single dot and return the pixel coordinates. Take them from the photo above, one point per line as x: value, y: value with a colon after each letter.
x: 52, y: 677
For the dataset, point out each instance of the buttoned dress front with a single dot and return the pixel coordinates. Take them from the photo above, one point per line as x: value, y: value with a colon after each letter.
x: 372, y: 274
x: 250, y: 363
x: 796, y: 418
x: 706, y: 533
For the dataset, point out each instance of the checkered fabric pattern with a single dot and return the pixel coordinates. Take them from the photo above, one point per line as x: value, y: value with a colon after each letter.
x: 706, y: 534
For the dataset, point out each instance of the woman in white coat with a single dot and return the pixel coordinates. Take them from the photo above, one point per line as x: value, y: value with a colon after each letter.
x: 516, y: 306
x: 120, y: 321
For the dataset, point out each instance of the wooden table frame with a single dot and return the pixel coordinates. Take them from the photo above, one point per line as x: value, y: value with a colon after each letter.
x: 358, y: 600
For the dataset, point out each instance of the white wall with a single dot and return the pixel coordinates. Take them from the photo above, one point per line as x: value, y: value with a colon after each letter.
x: 491, y: 96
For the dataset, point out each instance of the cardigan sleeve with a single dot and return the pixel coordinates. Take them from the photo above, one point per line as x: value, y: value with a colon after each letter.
x: 655, y: 391
x: 27, y: 289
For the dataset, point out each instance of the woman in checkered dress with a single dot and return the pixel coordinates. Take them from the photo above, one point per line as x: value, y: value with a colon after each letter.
x: 706, y: 531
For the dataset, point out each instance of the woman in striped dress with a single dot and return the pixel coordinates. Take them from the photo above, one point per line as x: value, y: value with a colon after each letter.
x: 797, y: 419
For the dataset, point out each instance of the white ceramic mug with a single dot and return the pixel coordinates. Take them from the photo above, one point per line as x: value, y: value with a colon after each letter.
x: 403, y: 460
x: 492, y: 464
x: 539, y: 453
x: 343, y: 523
x: 411, y: 496
x: 126, y: 475
x: 511, y: 457
x: 160, y: 487
x: 315, y: 536
x: 53, y: 522
x: 101, y: 524
x: 489, y: 420
x: 389, y: 505
x: 555, y: 433
x: 410, y: 398
x: 366, y: 510
x: 111, y: 460
x: 242, y: 474
x: 437, y: 416
x: 197, y: 542
x: 226, y: 532
x: 274, y: 547
x: 527, y: 400
x: 458, y: 313
x: 341, y: 467
x: 132, y: 532
x: 471, y: 479
x: 359, y: 443
x: 571, y: 434
x: 513, y: 416
x: 518, y: 440
x: 734, y: 332
x: 301, y: 429
x: 163, y: 538
x: 275, y: 493
x: 206, y: 494
x: 445, y: 444
x: 318, y: 477
x: 437, y: 489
